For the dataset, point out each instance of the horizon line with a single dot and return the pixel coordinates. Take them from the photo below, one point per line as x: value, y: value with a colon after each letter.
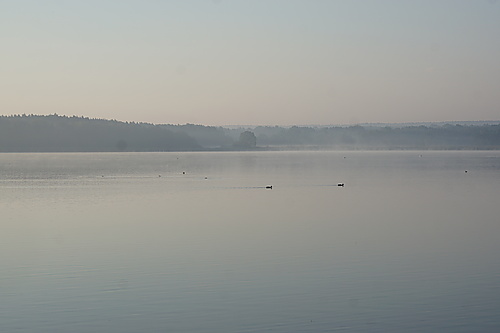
x: 374, y: 124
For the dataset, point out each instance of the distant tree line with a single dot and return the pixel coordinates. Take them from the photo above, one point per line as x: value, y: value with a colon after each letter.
x: 32, y: 133
x: 358, y: 137
x: 36, y: 133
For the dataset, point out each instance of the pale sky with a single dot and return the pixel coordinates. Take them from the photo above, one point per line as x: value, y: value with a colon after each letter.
x: 254, y: 62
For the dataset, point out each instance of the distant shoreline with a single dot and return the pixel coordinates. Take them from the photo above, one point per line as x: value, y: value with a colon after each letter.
x: 54, y: 133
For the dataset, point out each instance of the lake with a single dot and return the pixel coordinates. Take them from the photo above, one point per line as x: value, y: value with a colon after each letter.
x: 194, y: 242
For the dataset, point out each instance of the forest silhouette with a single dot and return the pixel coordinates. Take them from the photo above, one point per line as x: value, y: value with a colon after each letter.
x: 55, y: 133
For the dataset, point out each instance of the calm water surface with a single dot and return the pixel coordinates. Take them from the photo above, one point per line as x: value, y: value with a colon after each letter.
x: 193, y: 242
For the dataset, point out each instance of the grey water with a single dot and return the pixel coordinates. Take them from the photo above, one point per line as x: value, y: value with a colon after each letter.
x: 194, y: 242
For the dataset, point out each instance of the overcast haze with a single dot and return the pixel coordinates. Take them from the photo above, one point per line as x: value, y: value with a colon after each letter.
x: 252, y: 62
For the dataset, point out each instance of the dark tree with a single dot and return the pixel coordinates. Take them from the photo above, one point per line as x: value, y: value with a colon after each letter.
x: 247, y: 140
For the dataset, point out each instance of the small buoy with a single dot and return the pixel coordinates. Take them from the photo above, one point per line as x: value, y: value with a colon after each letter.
x: 206, y: 177
x: 465, y: 171
x: 159, y: 176
x: 183, y: 172
x: 269, y: 187
x: 340, y: 184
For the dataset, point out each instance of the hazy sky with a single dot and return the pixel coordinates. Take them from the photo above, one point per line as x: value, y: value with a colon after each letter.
x: 268, y: 62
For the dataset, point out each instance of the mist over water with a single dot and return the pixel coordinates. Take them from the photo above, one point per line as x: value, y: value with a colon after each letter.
x: 194, y: 242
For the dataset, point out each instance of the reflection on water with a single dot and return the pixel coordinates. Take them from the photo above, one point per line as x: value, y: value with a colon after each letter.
x: 193, y: 242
